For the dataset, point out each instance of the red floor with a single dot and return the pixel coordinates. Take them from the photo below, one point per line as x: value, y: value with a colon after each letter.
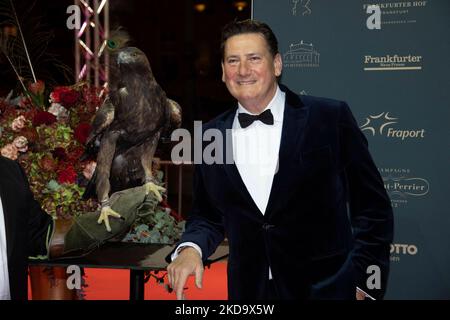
x: 111, y: 284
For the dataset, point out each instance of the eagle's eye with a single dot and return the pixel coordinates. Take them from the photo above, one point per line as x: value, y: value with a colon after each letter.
x: 134, y: 54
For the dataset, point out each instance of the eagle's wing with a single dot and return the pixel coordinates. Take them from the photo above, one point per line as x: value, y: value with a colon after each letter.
x: 175, y: 113
x: 173, y: 119
x: 103, y: 118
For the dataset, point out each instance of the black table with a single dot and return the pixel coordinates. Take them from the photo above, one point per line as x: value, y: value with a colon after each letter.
x: 139, y: 258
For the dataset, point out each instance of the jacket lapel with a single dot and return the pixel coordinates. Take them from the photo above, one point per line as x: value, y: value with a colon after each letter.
x: 294, y: 122
x: 231, y: 170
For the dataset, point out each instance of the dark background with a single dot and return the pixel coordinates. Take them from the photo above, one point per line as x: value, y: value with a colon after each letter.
x: 182, y: 45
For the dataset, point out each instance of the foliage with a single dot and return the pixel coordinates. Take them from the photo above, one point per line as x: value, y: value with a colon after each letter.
x: 155, y: 222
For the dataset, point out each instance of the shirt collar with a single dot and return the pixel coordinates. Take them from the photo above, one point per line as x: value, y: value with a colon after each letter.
x: 276, y: 106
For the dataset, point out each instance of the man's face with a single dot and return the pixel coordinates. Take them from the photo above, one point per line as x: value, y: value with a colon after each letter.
x: 250, y: 71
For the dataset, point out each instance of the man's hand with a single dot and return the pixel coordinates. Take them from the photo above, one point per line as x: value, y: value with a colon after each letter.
x: 187, y: 263
x: 360, y: 295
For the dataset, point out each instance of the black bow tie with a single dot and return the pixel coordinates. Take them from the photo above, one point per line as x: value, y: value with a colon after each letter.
x: 246, y: 119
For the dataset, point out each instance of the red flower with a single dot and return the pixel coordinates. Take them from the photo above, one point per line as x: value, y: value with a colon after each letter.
x: 65, y: 96
x: 48, y: 163
x: 43, y: 117
x: 67, y: 175
x: 37, y: 88
x: 92, y: 97
x: 75, y: 154
x: 82, y: 132
x: 59, y: 153
x: 30, y: 133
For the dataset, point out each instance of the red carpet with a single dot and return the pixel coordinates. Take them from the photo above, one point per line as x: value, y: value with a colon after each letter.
x: 113, y: 284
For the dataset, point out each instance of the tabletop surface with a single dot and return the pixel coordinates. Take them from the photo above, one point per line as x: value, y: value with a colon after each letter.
x: 126, y: 255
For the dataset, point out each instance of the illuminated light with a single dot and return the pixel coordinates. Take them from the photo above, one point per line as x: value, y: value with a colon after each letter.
x: 100, y: 7
x: 102, y: 48
x: 87, y: 6
x: 82, y: 29
x: 240, y: 5
x: 200, y: 7
x: 82, y: 73
x: 10, y: 30
x: 89, y: 51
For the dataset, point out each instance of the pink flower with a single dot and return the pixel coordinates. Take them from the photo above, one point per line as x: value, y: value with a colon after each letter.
x: 18, y: 123
x: 89, y: 169
x: 21, y: 143
x: 10, y: 151
x: 58, y: 111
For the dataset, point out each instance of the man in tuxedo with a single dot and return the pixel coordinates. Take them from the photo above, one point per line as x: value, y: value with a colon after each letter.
x: 24, y: 230
x: 310, y: 219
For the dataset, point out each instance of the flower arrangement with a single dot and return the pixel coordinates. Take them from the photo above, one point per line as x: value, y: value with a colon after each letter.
x: 47, y: 137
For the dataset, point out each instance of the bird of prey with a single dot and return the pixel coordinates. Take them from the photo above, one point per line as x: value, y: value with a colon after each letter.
x: 127, y: 128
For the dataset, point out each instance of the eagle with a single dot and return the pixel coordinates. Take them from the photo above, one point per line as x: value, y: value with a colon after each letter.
x: 126, y: 130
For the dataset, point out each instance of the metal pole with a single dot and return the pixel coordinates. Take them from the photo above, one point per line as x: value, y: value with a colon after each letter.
x: 96, y: 44
x: 77, y: 50
x: 136, y: 284
x: 106, y: 36
x: 87, y: 31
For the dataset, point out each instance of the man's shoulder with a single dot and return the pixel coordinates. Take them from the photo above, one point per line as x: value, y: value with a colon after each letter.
x: 9, y: 169
x: 322, y: 109
x: 214, y: 123
x: 322, y: 102
x: 311, y: 101
x: 6, y: 163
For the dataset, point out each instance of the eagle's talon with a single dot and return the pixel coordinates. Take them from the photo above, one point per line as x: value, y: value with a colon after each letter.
x: 150, y: 186
x: 104, y: 214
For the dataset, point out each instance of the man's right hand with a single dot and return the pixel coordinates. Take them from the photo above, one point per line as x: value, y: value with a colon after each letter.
x: 187, y: 263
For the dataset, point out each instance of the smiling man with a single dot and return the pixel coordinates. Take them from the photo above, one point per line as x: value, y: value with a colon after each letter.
x: 249, y: 68
x: 286, y: 215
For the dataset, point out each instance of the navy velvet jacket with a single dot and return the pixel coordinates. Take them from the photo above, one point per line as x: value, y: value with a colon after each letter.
x: 328, y: 216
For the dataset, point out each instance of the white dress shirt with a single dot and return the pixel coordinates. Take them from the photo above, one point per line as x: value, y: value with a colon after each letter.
x: 4, y: 275
x: 255, y: 153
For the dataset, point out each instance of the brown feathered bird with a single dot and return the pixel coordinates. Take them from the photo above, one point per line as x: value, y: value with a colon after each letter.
x: 127, y: 128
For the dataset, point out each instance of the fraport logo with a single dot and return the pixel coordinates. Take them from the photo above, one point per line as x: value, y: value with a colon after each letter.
x: 384, y: 124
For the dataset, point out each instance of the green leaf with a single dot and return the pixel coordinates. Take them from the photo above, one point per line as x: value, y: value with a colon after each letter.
x: 53, y: 185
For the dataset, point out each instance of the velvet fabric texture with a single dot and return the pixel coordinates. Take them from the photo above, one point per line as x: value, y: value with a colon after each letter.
x: 328, y: 218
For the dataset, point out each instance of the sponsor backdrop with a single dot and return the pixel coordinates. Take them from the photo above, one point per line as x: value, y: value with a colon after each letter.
x: 391, y: 64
